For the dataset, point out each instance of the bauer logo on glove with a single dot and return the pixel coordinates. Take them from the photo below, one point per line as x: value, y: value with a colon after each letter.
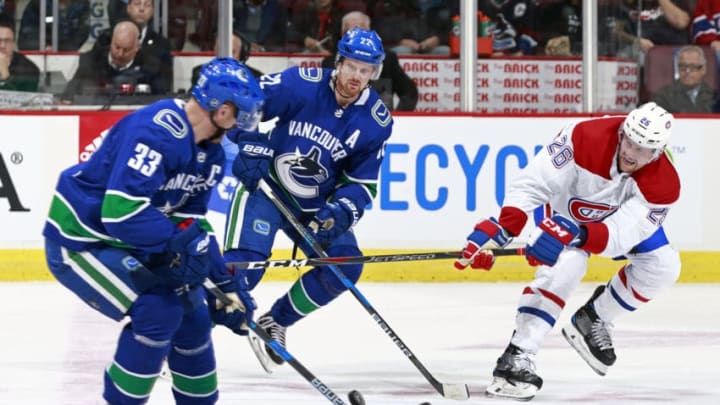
x: 257, y: 150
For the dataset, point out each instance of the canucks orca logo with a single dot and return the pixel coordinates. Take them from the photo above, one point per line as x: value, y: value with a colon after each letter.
x: 301, y: 173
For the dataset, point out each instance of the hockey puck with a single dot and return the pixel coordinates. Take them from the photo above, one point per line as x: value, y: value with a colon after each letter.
x: 356, y: 398
x: 426, y: 403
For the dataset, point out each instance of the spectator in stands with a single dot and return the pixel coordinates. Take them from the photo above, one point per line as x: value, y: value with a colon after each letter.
x: 660, y: 22
x: 119, y: 68
x: 7, y: 9
x: 141, y: 12
x: 177, y: 19
x: 240, y: 51
x: 513, y: 26
x: 415, y: 26
x: 393, y: 80
x: 560, y: 27
x: 263, y: 22
x: 689, y: 93
x: 73, y: 28
x: 705, y: 30
x: 315, y: 24
x: 17, y: 72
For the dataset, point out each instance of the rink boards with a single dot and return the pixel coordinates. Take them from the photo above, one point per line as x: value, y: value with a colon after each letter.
x: 26, y: 265
x: 440, y: 175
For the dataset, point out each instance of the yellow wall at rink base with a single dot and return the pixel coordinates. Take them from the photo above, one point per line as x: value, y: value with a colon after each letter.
x: 29, y: 265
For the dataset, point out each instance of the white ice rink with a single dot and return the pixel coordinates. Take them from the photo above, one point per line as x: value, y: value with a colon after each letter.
x: 53, y: 349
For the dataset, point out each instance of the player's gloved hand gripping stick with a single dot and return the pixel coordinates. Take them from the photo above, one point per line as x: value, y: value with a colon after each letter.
x: 281, y: 351
x: 452, y: 391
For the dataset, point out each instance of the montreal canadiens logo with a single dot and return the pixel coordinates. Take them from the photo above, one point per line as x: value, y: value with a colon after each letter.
x: 586, y: 211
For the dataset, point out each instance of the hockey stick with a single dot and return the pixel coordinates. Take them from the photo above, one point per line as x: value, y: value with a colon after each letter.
x: 452, y: 391
x: 340, y: 261
x: 279, y: 349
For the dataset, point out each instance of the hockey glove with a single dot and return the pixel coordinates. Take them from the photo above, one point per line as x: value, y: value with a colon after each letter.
x: 189, y: 252
x: 334, y: 219
x: 252, y: 162
x: 488, y: 234
x: 548, y: 240
x: 236, y: 315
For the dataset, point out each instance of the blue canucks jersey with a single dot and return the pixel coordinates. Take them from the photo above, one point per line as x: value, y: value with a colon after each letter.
x: 147, y: 175
x: 319, y: 146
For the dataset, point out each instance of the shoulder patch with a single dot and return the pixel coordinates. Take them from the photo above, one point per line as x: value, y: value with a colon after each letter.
x: 172, y: 122
x: 659, y: 182
x: 380, y: 113
x: 311, y: 74
x: 595, y: 143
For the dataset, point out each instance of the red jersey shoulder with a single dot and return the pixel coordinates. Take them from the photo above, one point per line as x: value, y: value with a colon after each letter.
x: 659, y: 181
x: 595, y: 143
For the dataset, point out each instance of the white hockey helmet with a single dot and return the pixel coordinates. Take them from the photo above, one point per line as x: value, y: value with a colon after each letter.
x: 649, y: 126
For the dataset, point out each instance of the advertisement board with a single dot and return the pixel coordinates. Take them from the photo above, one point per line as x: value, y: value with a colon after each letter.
x: 441, y: 174
x: 33, y: 151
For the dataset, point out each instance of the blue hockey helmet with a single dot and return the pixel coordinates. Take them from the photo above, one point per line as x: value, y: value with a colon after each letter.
x: 225, y: 80
x: 364, y: 46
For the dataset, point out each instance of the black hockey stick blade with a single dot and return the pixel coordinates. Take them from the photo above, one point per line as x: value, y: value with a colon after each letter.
x: 340, y: 261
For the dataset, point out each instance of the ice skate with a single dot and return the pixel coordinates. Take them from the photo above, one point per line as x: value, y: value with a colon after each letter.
x: 590, y: 336
x: 514, y: 376
x: 267, y: 356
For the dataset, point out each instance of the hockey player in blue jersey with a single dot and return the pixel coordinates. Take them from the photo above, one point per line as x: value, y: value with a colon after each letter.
x: 127, y: 233
x: 322, y: 158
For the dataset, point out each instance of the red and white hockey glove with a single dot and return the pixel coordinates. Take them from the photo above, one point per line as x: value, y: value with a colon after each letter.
x: 488, y: 234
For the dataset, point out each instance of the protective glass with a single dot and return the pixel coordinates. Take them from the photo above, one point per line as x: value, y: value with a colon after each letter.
x: 248, y: 120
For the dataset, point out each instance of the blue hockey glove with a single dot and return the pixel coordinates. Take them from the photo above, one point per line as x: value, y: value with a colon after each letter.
x: 190, y: 260
x: 488, y: 234
x: 334, y: 219
x: 548, y: 240
x: 252, y: 162
x: 236, y: 315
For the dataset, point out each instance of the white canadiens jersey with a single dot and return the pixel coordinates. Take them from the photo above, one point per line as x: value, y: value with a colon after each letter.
x: 577, y: 175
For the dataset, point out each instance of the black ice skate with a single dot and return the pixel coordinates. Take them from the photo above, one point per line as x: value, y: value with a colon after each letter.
x: 590, y: 336
x: 514, y: 376
x: 266, y: 355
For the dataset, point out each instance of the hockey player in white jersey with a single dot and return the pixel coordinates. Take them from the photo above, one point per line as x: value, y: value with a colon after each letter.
x: 602, y: 186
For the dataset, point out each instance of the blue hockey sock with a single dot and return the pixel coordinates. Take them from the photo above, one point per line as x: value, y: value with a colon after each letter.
x: 134, y: 370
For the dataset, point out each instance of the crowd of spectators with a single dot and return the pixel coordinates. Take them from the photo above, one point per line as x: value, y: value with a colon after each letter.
x: 626, y: 29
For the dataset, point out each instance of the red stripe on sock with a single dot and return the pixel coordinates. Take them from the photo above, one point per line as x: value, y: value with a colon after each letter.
x: 638, y: 296
x: 547, y: 294
x: 552, y: 297
x: 623, y: 277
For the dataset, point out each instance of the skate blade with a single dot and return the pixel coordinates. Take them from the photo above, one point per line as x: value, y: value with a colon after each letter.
x: 258, y: 347
x: 574, y: 337
x: 502, y: 388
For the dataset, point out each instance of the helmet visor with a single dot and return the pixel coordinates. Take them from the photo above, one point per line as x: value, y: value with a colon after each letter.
x: 248, y: 119
x: 360, y: 70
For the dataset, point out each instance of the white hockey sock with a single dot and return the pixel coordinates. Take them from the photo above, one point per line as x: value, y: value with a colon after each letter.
x: 530, y: 332
x: 619, y: 297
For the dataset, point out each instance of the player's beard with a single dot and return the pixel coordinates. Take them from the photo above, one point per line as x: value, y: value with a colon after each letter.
x: 347, y: 94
